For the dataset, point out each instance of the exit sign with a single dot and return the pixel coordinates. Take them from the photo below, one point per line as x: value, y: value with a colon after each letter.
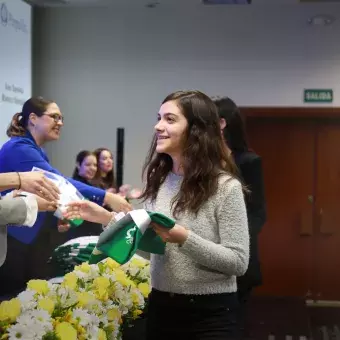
x: 318, y: 96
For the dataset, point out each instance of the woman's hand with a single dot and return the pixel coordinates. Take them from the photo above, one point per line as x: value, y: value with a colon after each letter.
x: 88, y: 211
x: 111, y: 190
x: 44, y: 205
x: 36, y: 182
x: 117, y: 203
x: 177, y: 234
x: 63, y: 226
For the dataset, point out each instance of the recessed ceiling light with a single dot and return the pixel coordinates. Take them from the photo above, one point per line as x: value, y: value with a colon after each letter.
x: 321, y: 20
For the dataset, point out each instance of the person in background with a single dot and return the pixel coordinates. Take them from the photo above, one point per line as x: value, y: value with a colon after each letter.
x: 191, y: 178
x: 105, y: 177
x: 20, y: 208
x: 86, y: 167
x: 250, y: 169
x: 85, y: 171
x: 39, y: 122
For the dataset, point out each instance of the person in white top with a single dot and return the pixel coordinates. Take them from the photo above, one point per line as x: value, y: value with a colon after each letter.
x: 33, y: 192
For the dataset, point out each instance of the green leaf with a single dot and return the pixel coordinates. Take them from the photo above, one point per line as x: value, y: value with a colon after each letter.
x: 50, y: 336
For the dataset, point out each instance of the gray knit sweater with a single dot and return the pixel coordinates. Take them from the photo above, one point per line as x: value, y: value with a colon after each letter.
x: 217, y: 248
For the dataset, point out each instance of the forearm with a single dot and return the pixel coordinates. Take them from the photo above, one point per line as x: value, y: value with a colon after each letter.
x: 107, y: 219
x: 231, y: 260
x: 10, y: 180
x: 93, y: 194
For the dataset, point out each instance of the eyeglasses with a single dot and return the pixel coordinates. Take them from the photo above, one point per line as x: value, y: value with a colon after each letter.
x: 55, y: 116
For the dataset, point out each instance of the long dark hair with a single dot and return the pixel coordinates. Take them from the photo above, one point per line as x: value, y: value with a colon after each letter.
x: 18, y: 125
x: 205, y: 155
x: 234, y: 132
x: 80, y: 159
x: 104, y: 182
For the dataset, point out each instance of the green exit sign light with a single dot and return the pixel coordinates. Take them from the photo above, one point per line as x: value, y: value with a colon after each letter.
x: 318, y: 96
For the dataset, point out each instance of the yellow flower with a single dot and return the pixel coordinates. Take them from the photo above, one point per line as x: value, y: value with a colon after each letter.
x: 81, y: 332
x: 70, y: 280
x: 136, y: 312
x: 65, y: 331
x: 123, y: 279
x: 101, y: 294
x: 10, y: 310
x: 135, y: 298
x: 84, y: 298
x: 114, y: 314
x: 84, y: 267
x: 101, y: 335
x: 112, y: 264
x: 144, y: 288
x: 40, y: 286
x: 101, y: 282
x: 139, y: 263
x: 47, y: 304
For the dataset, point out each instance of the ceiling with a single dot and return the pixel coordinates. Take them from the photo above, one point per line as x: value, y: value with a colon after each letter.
x: 82, y: 3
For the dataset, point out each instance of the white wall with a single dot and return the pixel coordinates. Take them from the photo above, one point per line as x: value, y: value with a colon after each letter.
x: 112, y: 67
x: 15, y: 60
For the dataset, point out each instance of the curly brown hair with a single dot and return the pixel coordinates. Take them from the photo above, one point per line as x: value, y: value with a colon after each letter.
x: 204, y: 158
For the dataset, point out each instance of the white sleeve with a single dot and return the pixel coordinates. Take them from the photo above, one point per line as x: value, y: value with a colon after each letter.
x: 32, y: 210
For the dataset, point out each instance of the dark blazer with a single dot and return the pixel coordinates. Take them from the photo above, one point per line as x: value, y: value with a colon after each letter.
x: 250, y: 168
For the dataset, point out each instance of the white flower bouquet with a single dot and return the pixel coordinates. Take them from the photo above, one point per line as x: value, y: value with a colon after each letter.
x: 92, y: 302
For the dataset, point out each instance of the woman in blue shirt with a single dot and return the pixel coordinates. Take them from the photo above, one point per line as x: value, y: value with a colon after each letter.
x: 39, y: 122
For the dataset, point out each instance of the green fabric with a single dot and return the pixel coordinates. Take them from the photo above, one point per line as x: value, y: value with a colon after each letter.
x: 151, y: 242
x: 121, y: 240
x: 75, y: 223
x: 72, y: 253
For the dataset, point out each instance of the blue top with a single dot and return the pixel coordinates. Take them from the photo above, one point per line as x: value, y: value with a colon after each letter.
x: 22, y: 154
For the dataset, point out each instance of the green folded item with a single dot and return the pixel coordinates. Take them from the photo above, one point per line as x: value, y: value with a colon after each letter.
x: 75, y: 223
x: 72, y: 253
x: 132, y: 232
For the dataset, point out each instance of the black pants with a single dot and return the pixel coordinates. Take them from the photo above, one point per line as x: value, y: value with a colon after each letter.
x: 25, y: 262
x: 243, y: 295
x: 14, y: 272
x: 192, y: 317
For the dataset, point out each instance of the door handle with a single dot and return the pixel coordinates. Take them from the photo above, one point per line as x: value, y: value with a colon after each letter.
x: 326, y: 223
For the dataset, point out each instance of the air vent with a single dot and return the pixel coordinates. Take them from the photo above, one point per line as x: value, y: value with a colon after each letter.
x: 226, y: 2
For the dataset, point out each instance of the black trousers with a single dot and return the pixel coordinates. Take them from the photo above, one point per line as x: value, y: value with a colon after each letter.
x: 192, y: 317
x: 14, y: 271
x: 28, y: 261
x: 243, y: 295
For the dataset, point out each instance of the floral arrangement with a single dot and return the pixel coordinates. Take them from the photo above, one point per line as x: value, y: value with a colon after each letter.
x: 92, y: 302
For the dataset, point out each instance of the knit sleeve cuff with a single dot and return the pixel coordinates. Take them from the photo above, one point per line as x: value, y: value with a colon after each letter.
x: 191, y: 242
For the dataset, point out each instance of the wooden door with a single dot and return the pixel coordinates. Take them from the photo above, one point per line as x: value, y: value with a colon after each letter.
x: 327, y: 233
x: 287, y: 148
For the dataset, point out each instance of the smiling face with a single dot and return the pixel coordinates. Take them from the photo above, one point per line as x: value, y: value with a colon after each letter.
x: 171, y: 129
x: 88, y: 168
x: 47, y: 127
x: 105, y: 161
